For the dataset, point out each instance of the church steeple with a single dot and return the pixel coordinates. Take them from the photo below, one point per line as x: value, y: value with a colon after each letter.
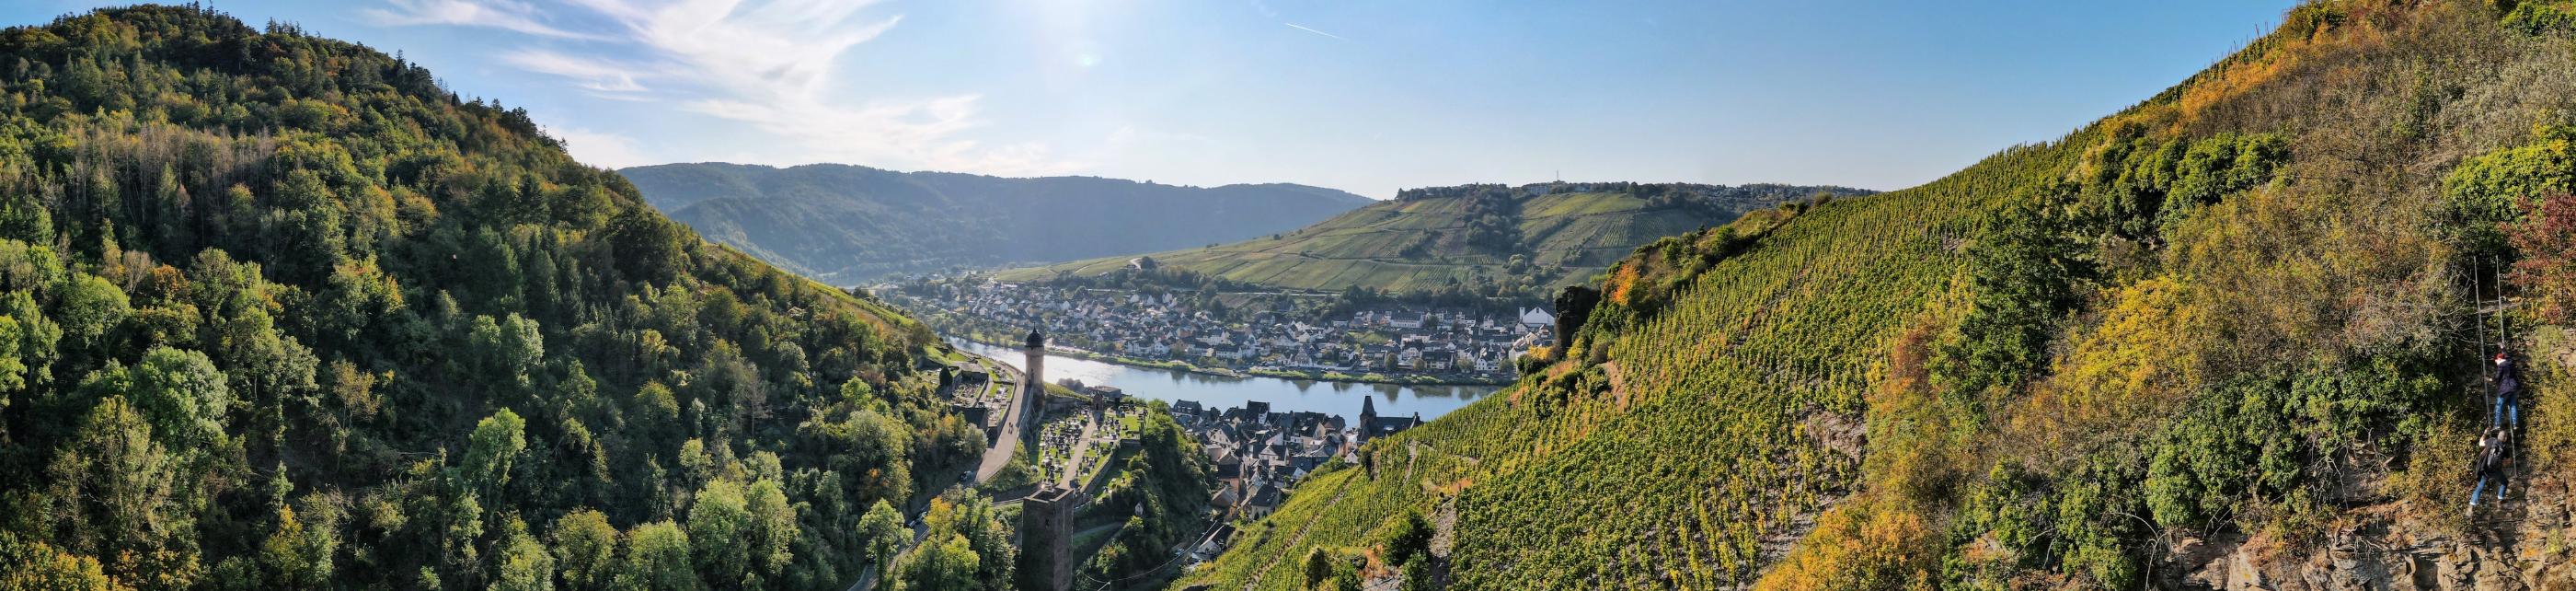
x: 1368, y: 417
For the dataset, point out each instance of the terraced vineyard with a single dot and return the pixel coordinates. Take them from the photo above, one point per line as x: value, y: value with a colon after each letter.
x: 1419, y: 244
x: 2225, y: 313
x: 1707, y: 459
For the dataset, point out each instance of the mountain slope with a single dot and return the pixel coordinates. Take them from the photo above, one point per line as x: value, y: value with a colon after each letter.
x: 848, y: 224
x: 277, y: 311
x: 1528, y: 237
x: 2223, y: 338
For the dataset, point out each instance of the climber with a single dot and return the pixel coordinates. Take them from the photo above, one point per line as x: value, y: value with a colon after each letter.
x: 2506, y: 411
x: 2490, y: 466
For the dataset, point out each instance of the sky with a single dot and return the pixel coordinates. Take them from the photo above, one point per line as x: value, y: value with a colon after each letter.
x: 1367, y: 96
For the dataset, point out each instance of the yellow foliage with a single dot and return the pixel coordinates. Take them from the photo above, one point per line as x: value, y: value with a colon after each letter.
x: 2143, y: 357
x: 1859, y: 545
x: 1622, y: 282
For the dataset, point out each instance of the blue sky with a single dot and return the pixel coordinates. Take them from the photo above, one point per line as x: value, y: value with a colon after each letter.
x: 1363, y: 95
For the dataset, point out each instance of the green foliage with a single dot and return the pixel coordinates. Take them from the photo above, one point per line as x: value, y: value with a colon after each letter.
x: 2537, y: 17
x: 1410, y: 539
x: 2489, y: 191
x: 656, y: 558
x: 2023, y: 274
x: 227, y: 247
x: 1160, y: 491
x: 585, y: 547
x: 1490, y: 240
x: 36, y: 566
x: 881, y: 533
x: 853, y: 225
x: 968, y: 548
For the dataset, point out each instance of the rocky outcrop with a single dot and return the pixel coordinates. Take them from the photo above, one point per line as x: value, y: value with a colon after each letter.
x: 2529, y: 546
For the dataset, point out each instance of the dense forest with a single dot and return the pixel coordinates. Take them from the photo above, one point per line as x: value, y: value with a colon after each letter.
x: 1485, y: 239
x: 850, y: 225
x: 278, y: 311
x: 2231, y: 337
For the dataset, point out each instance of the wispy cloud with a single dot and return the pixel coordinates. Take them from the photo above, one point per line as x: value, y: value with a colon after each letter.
x: 1311, y: 30
x: 590, y: 74
x: 598, y: 148
x: 498, y: 14
x: 766, y: 64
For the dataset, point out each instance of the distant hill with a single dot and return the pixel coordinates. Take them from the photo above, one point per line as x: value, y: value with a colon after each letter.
x: 846, y: 224
x: 1531, y: 236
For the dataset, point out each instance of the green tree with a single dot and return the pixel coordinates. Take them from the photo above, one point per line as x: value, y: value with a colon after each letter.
x: 881, y: 534
x: 496, y: 444
x: 1319, y: 567
x: 720, y: 525
x: 179, y: 392
x: 37, y: 566
x: 773, y: 525
x: 119, y: 493
x: 298, y: 556
x: 656, y: 558
x: 939, y: 564
x: 585, y: 547
x: 1410, y: 538
x: 522, y: 563
x: 91, y: 306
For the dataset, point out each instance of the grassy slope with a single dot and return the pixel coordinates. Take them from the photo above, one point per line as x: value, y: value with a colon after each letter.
x: 1708, y: 437
x: 1582, y: 232
x: 1699, y: 468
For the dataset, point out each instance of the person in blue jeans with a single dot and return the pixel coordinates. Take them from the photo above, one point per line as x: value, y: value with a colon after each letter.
x: 2507, y: 409
x: 2490, y: 464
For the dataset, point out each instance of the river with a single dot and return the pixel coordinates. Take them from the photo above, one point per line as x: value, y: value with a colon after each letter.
x: 1219, y: 392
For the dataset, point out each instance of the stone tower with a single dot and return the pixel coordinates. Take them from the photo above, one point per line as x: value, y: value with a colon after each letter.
x: 1035, y: 380
x: 1368, y: 417
x: 1046, y: 537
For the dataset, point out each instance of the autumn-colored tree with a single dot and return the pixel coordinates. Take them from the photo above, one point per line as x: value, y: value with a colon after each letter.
x: 2547, y: 272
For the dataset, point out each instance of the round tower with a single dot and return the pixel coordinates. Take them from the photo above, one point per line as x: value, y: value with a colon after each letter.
x: 1034, y: 382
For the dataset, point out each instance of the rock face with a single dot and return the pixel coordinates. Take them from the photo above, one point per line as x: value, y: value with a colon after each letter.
x: 2531, y: 546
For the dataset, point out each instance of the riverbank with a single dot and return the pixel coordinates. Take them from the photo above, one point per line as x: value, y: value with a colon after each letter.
x: 1307, y: 375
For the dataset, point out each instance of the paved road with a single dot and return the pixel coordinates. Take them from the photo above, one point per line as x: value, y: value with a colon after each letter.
x: 999, y: 454
x: 996, y: 456
x: 1073, y: 461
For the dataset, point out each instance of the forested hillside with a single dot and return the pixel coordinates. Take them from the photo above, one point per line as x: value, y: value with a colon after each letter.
x: 1489, y: 239
x: 849, y: 224
x: 2225, y: 338
x: 279, y: 312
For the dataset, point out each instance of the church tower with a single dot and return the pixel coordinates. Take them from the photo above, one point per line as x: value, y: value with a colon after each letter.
x: 1035, y: 380
x: 1368, y: 417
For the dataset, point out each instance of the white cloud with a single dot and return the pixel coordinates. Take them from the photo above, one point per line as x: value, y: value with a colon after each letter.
x: 498, y: 14
x: 765, y: 64
x: 1312, y: 30
x: 588, y: 73
x: 601, y: 148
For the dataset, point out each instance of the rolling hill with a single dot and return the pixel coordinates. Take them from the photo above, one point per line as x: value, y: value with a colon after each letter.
x: 2227, y: 338
x: 278, y: 311
x: 1528, y: 237
x: 850, y: 224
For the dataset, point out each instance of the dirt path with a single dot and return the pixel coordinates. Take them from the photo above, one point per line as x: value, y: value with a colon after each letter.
x: 1618, y: 383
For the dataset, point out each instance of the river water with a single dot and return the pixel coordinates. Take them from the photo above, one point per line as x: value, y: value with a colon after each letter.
x: 1219, y: 392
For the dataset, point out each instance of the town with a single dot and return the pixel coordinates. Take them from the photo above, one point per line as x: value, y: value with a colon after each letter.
x: 1276, y: 333
x: 1257, y: 456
